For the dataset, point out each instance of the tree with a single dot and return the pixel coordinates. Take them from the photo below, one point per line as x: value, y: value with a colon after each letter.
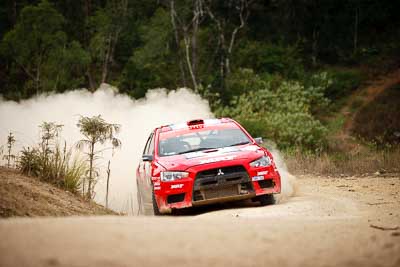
x: 105, y: 27
x: 49, y: 131
x: 10, y: 143
x: 37, y: 33
x: 38, y: 47
x: 95, y: 131
x: 227, y: 31
x: 186, y: 24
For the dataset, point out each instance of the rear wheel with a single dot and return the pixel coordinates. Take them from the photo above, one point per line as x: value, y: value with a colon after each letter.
x: 266, y: 199
x: 155, y: 207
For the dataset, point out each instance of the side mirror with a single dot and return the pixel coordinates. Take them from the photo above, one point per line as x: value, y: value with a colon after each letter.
x: 258, y: 140
x: 147, y: 157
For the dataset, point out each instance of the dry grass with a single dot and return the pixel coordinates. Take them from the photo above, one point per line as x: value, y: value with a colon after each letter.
x: 364, y: 162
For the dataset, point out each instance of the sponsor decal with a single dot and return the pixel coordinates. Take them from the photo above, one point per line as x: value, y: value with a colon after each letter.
x: 212, y: 160
x: 157, y: 187
x: 257, y: 178
x: 196, y: 126
x: 176, y: 186
x: 250, y: 148
x: 156, y: 183
x: 262, y: 173
x: 219, y: 152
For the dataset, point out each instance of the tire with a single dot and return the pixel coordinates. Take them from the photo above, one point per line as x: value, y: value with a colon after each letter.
x: 266, y: 200
x: 155, y: 207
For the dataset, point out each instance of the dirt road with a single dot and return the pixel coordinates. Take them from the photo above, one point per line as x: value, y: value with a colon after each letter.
x: 330, y: 222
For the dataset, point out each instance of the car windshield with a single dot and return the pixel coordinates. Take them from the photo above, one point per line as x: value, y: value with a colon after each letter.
x: 201, y: 141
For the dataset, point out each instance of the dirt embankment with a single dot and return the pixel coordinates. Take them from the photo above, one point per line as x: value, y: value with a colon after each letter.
x: 27, y: 196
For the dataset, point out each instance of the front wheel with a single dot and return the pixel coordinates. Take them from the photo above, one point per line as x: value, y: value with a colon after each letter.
x: 266, y: 199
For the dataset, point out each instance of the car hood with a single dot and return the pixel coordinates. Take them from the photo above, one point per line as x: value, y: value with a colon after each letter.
x: 185, y: 161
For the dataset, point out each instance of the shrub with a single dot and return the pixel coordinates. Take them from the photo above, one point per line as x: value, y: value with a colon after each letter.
x: 367, y: 161
x: 58, y: 168
x: 378, y: 121
x: 271, y: 58
x: 282, y: 112
x: 343, y: 82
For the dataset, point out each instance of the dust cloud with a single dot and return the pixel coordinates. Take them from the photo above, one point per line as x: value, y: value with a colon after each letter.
x: 288, y: 180
x: 136, y: 117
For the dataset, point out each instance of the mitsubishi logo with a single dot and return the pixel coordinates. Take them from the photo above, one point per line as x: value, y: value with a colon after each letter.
x: 220, y: 172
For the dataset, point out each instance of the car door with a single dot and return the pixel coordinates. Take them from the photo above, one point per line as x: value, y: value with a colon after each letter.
x: 140, y: 173
x: 147, y: 169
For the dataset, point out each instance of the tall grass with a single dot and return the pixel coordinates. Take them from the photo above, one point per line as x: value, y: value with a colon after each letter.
x: 58, y: 167
x: 340, y: 163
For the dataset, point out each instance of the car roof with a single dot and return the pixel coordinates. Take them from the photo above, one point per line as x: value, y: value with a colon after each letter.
x: 196, y: 125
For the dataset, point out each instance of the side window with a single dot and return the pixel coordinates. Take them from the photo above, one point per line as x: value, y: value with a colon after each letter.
x: 146, y: 148
x: 150, y: 149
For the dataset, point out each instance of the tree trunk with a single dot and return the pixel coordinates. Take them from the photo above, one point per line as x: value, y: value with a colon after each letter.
x: 189, y: 64
x: 314, y: 55
x: 91, y: 159
x: 106, y: 59
x: 194, y: 45
x: 92, y: 86
x: 9, y: 157
x: 108, y: 183
x: 356, y: 21
x: 37, y: 80
x: 226, y: 51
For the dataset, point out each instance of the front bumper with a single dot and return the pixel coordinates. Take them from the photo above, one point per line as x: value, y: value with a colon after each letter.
x: 204, y: 187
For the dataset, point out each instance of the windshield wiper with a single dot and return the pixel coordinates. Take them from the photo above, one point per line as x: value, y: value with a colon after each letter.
x: 240, y: 143
x: 196, y: 149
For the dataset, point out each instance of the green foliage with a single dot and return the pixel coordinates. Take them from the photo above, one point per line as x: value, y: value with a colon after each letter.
x: 343, y: 83
x: 30, y: 162
x: 281, y: 112
x: 146, y: 67
x: 51, y: 162
x: 96, y: 130
x: 244, y: 80
x: 37, y: 47
x: 58, y: 168
x: 271, y: 58
x: 277, y: 57
x: 65, y: 68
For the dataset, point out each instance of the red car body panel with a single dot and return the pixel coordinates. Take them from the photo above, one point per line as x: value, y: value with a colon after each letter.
x: 148, y: 172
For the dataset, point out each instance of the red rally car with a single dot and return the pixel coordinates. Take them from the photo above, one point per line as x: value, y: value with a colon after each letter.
x: 202, y: 162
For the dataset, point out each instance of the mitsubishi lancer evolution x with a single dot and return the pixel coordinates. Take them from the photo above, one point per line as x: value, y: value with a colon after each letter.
x: 201, y: 162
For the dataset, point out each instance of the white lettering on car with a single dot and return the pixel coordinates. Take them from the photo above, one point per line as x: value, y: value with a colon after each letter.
x: 205, y: 161
x: 157, y: 187
x: 175, y: 186
x: 262, y: 173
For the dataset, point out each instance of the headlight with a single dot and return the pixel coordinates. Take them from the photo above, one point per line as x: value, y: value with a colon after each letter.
x: 264, y: 161
x: 172, y: 176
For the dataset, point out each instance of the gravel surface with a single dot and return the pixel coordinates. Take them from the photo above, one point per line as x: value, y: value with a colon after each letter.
x: 351, y: 221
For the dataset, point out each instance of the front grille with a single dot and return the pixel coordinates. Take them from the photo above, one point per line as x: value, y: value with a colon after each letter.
x: 225, y: 170
x: 175, y: 198
x: 221, y: 182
